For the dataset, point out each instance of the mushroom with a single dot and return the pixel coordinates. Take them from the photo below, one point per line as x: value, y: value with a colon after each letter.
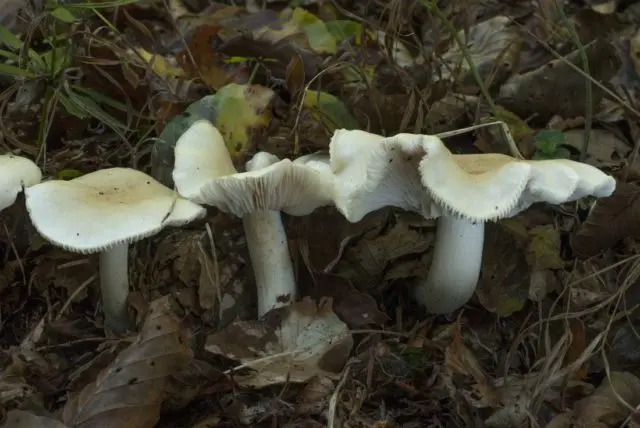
x: 104, y: 211
x: 473, y: 189
x: 204, y: 173
x: 16, y: 173
x: 372, y: 172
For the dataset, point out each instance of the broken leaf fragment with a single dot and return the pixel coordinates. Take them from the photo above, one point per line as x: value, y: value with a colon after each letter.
x: 22, y: 419
x: 610, y: 220
x: 301, y: 27
x: 293, y: 343
x: 493, y: 45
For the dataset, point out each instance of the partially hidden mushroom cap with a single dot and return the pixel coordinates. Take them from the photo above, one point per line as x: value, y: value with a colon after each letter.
x: 101, y: 209
x: 372, y: 172
x: 270, y: 184
x: 16, y: 173
x: 485, y: 187
x: 200, y: 156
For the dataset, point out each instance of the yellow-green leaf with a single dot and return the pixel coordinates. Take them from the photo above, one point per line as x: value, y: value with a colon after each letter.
x: 242, y: 110
x: 318, y: 36
x: 68, y: 174
x: 543, y: 251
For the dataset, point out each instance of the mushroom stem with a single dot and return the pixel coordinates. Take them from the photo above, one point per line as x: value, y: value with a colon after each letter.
x: 272, y: 267
x: 114, y: 284
x: 455, y: 267
x: 269, y: 251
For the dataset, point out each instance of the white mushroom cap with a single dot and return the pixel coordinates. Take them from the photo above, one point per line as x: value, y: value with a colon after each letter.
x: 104, y: 208
x: 200, y: 156
x: 16, y: 173
x: 372, y: 172
x: 270, y: 185
x: 484, y: 187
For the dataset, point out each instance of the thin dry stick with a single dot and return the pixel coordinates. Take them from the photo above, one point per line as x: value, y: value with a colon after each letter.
x: 77, y: 291
x: 333, y: 401
x: 513, y: 148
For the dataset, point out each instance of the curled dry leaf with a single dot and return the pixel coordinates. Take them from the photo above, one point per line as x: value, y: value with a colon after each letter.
x: 610, y: 220
x: 292, y: 344
x: 605, y: 148
x: 22, y: 419
x: 314, y: 396
x: 604, y: 406
x: 130, y: 391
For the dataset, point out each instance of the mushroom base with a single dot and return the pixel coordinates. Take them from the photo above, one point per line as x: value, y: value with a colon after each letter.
x: 455, y: 267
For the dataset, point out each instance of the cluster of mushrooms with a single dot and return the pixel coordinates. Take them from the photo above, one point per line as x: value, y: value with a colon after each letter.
x: 106, y: 210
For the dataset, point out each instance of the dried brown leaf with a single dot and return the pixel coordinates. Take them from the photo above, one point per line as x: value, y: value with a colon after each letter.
x: 527, y: 94
x: 460, y: 360
x: 63, y: 269
x: 372, y: 255
x: 14, y: 387
x: 129, y: 392
x: 576, y: 347
x: 356, y: 308
x: 294, y: 76
x: 610, y: 220
x: 292, y: 344
x: 22, y: 419
x: 314, y: 396
x: 200, y: 60
x: 502, y: 288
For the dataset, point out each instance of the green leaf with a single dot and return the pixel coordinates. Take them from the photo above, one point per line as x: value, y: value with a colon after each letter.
x: 103, y: 5
x: 548, y: 140
x: 9, y: 39
x: 330, y: 110
x: 342, y: 28
x: 68, y: 174
x: 63, y: 15
x: 15, y: 71
x: 10, y: 55
x: 72, y: 108
x: 88, y: 106
x: 57, y: 59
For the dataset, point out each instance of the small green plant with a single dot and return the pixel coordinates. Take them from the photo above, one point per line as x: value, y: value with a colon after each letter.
x: 49, y: 74
x: 549, y: 144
